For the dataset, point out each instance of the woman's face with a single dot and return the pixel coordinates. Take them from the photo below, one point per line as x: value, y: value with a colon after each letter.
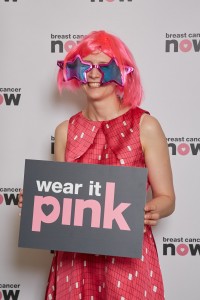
x: 93, y: 88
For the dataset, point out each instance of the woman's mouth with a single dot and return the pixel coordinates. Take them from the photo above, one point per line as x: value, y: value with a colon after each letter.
x: 94, y: 84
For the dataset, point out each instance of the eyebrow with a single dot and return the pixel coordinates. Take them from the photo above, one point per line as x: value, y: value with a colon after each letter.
x: 99, y: 63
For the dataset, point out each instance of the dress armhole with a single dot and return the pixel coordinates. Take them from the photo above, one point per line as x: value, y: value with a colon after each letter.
x: 142, y: 117
x: 140, y: 123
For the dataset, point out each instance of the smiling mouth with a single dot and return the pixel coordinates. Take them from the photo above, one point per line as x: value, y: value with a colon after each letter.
x: 94, y: 84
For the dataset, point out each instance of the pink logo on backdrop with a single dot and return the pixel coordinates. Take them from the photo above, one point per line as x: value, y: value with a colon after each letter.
x: 183, y: 149
x: 1, y: 99
x: 185, y: 45
x: 9, y: 291
x: 64, y: 42
x: 182, y: 249
x: 10, y: 96
x: 181, y: 246
x: 184, y: 146
x: 182, y: 42
x: 9, y: 196
x: 1, y: 201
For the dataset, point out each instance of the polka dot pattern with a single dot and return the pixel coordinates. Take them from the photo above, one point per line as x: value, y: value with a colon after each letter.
x: 77, y: 276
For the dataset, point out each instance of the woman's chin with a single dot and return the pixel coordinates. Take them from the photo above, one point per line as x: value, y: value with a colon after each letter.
x: 96, y: 91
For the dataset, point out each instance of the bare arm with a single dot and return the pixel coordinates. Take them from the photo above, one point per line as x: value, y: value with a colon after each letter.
x: 159, y: 171
x: 60, y: 141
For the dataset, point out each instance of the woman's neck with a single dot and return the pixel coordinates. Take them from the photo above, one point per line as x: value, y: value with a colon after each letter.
x: 104, y: 110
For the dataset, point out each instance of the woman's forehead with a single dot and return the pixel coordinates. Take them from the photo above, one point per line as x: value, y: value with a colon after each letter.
x: 97, y: 56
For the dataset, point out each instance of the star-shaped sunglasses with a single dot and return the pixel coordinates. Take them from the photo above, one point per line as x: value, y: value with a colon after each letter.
x: 110, y: 71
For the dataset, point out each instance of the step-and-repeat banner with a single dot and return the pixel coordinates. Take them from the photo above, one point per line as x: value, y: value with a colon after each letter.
x: 164, y: 37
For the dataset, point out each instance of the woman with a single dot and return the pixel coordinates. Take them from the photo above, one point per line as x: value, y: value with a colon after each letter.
x: 111, y: 130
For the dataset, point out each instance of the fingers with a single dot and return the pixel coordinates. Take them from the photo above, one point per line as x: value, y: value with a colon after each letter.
x: 149, y: 207
x: 20, y: 199
x: 151, y: 218
x: 151, y: 222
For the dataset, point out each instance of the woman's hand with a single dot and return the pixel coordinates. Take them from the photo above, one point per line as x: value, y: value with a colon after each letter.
x: 157, y: 161
x: 20, y: 199
x: 151, y: 215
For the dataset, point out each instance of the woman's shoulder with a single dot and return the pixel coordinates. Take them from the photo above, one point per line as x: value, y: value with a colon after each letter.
x: 149, y: 123
x: 62, y: 128
x: 151, y: 131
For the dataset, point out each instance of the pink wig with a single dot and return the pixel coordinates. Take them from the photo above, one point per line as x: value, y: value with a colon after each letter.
x: 112, y: 46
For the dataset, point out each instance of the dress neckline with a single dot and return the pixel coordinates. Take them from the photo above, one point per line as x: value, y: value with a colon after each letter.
x: 122, y: 116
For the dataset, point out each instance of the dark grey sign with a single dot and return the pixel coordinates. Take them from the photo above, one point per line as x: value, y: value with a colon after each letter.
x: 83, y: 208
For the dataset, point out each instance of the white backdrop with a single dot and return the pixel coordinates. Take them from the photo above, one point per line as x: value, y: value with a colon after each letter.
x: 164, y: 37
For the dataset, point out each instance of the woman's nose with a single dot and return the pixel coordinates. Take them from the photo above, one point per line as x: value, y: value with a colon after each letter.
x: 94, y: 73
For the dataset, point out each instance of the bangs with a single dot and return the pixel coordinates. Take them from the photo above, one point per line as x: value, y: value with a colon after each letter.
x: 94, y: 43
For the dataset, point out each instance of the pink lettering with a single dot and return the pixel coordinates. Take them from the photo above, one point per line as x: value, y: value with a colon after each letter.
x: 185, y: 45
x: 67, y: 210
x: 183, y: 149
x: 39, y: 216
x: 47, y: 210
x: 111, y: 214
x: 69, y: 45
x: 182, y: 249
x: 79, y: 209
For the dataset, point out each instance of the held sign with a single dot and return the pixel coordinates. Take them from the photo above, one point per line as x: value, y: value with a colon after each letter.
x: 86, y: 208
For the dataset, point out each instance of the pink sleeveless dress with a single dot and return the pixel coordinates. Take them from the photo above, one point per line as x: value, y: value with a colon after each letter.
x: 77, y: 276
